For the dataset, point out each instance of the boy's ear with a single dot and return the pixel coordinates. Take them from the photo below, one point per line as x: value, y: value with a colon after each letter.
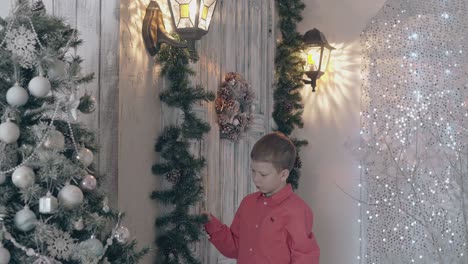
x: 284, y: 174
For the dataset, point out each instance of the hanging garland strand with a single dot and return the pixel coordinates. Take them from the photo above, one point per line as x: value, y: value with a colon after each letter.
x: 288, y: 108
x: 178, y: 229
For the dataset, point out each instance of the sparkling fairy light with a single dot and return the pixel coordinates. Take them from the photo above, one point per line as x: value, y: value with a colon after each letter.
x: 414, y: 134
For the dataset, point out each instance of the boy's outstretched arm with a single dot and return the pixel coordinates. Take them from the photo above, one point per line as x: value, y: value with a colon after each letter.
x: 301, y: 240
x: 225, y: 239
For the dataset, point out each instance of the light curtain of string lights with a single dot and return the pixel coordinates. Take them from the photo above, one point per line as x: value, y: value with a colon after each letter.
x: 414, y: 121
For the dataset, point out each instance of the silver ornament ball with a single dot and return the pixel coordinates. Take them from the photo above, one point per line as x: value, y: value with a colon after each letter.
x: 70, y: 197
x: 17, y: 96
x: 23, y: 177
x: 122, y: 234
x: 9, y: 132
x: 39, y: 86
x: 25, y: 220
x: 88, y: 183
x: 55, y: 140
x: 85, y: 156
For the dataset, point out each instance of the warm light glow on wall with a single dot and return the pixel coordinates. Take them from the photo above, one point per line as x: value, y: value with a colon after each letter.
x: 341, y: 83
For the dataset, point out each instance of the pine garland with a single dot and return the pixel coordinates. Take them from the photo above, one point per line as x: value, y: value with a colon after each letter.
x: 288, y: 108
x: 178, y: 228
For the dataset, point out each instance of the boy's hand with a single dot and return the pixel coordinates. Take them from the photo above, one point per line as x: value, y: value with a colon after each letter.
x: 207, y: 214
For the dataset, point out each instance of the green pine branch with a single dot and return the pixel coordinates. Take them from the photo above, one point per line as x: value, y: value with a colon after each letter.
x: 178, y: 228
x: 288, y: 109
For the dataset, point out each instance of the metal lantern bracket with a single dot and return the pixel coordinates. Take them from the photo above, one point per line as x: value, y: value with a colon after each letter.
x: 154, y: 32
x: 315, y: 38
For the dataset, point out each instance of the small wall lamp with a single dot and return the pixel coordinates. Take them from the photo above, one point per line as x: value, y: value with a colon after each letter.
x: 317, y: 56
x: 191, y: 18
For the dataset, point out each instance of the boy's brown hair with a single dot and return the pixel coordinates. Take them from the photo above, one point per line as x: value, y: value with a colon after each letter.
x: 277, y: 149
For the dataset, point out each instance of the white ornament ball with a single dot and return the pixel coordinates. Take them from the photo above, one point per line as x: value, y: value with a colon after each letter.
x: 4, y: 255
x: 17, y: 95
x: 70, y: 196
x: 94, y: 246
x: 2, y: 178
x: 122, y: 234
x: 55, y: 140
x: 25, y: 220
x: 9, y: 132
x: 85, y: 156
x: 39, y: 86
x: 23, y: 177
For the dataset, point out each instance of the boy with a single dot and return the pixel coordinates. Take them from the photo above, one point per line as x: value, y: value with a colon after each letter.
x: 274, y: 224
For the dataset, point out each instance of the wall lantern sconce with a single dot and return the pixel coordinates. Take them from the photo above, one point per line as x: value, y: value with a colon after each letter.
x: 191, y: 18
x: 317, y: 56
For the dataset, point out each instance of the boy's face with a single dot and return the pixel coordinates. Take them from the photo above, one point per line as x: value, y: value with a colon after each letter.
x: 266, y: 178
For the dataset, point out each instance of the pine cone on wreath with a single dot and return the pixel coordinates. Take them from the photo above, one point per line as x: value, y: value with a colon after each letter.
x: 173, y: 176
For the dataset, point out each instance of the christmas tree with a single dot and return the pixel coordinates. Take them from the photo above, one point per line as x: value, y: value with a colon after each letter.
x: 51, y: 210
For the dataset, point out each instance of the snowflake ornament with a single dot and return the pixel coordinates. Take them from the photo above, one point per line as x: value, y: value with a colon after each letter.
x: 45, y: 260
x: 60, y: 244
x: 21, y: 42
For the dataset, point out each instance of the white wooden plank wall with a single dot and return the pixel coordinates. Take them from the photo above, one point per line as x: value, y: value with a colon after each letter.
x: 241, y: 39
x: 98, y: 25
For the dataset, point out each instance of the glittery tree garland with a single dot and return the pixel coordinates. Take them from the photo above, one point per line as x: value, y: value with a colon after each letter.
x: 119, y: 233
x: 234, y: 106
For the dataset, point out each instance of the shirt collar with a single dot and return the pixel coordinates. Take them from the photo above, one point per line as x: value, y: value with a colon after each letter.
x: 279, y: 196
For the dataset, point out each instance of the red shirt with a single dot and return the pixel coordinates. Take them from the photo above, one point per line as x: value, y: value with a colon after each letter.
x: 273, y: 230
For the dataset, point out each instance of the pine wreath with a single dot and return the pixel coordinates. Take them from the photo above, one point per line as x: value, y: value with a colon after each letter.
x: 234, y: 106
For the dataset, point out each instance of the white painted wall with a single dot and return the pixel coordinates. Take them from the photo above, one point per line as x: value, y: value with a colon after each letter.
x: 331, y: 119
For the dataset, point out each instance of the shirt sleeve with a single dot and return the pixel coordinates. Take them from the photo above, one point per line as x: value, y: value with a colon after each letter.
x: 225, y: 239
x: 301, y: 240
